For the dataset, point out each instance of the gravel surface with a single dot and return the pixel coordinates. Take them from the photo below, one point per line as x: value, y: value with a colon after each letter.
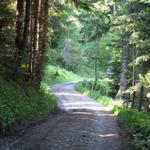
x: 82, y: 124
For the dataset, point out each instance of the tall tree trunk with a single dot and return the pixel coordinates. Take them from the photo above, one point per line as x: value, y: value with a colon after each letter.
x: 26, y: 34
x: 35, y: 36
x: 19, y: 34
x: 26, y: 42
x: 43, y: 37
x: 39, y: 28
x: 123, y: 75
x: 31, y: 36
x: 133, y: 79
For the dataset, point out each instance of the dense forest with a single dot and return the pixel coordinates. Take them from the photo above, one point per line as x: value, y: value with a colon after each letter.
x: 103, y: 43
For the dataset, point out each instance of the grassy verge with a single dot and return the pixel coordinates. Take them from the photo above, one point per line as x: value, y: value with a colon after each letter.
x: 136, y: 123
x: 55, y: 74
x: 18, y: 103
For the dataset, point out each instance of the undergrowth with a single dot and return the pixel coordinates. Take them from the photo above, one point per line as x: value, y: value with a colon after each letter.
x: 18, y: 103
x: 55, y: 74
x: 138, y: 126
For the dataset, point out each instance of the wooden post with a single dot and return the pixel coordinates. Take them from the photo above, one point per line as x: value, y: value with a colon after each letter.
x: 133, y: 99
x: 141, y: 98
x: 133, y: 81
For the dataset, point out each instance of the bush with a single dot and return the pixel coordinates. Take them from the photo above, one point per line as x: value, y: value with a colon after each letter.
x: 86, y: 87
x: 105, y: 101
x: 102, y: 87
x: 54, y: 74
x: 138, y: 126
x: 18, y: 104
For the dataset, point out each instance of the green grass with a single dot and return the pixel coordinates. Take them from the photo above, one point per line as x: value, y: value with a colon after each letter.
x: 138, y: 126
x: 55, y: 74
x: 22, y: 103
x: 97, y: 95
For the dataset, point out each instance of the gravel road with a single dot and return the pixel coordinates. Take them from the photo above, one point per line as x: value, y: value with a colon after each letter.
x: 81, y: 125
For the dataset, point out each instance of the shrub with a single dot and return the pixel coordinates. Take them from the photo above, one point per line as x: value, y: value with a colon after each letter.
x: 105, y: 101
x: 18, y: 104
x: 102, y: 87
x: 86, y: 87
x: 138, y: 126
x: 55, y: 74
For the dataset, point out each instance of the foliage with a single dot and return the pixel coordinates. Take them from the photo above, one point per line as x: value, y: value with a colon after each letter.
x: 64, y: 42
x: 19, y: 103
x: 102, y: 87
x: 75, y: 35
x: 99, y: 94
x: 138, y: 125
x: 7, y: 36
x: 55, y: 74
x: 105, y: 101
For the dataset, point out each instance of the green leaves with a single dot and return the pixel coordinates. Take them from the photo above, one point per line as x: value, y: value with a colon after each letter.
x: 18, y: 104
x: 141, y: 59
x: 138, y: 125
x: 83, y: 4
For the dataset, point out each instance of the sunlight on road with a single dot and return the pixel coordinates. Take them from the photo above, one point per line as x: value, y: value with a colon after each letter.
x: 69, y: 94
x: 73, y: 101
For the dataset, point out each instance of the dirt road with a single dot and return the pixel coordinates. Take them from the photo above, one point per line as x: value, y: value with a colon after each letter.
x: 81, y: 125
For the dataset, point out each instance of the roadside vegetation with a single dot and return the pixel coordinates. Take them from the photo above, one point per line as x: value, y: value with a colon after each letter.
x: 55, y: 74
x: 21, y: 103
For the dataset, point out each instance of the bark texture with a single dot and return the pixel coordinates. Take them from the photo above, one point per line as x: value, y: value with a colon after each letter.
x: 31, y: 37
x: 123, y: 73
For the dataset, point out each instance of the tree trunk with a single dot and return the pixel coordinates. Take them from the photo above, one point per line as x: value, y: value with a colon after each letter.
x: 141, y: 98
x: 96, y: 66
x: 133, y: 80
x: 26, y: 34
x: 31, y: 37
x: 19, y: 35
x: 123, y: 75
x: 95, y: 73
x: 43, y: 37
x: 39, y: 30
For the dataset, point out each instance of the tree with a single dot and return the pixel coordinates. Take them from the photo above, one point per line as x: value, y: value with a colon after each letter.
x: 94, y: 26
x: 125, y: 57
x: 31, y: 38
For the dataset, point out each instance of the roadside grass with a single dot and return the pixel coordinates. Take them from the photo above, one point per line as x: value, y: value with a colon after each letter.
x: 18, y: 103
x: 55, y: 74
x: 136, y: 123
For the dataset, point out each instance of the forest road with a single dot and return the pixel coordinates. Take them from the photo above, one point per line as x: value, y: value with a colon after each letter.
x: 81, y: 125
